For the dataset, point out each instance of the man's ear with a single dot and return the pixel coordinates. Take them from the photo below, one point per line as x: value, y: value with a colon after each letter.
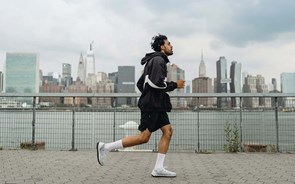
x: 162, y: 47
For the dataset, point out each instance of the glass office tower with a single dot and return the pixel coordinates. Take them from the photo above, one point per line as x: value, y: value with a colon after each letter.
x: 221, y: 81
x: 288, y: 86
x: 235, y: 85
x: 21, y: 73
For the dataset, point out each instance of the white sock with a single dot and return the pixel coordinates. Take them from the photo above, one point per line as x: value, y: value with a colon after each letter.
x: 160, y: 161
x: 113, y: 145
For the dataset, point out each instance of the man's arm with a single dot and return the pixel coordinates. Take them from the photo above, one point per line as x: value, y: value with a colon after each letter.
x: 158, y: 74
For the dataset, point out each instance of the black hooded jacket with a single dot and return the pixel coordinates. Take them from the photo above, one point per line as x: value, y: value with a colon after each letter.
x: 153, y: 84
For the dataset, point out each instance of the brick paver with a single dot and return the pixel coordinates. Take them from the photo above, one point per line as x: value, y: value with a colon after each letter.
x: 24, y: 166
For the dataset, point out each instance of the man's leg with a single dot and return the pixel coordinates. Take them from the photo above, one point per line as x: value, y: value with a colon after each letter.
x: 129, y: 141
x: 165, y: 139
x: 141, y: 138
x: 159, y: 170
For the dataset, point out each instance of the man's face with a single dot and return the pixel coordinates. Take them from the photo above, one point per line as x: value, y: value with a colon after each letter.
x: 167, y: 48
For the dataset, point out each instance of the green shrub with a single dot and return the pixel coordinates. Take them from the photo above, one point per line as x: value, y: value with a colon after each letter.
x: 232, y: 138
x: 271, y: 148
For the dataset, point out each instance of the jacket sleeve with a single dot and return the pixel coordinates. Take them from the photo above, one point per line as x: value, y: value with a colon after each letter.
x: 158, y: 75
x: 140, y: 83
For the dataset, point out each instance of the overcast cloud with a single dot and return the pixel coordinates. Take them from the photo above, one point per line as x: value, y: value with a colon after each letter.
x: 260, y: 34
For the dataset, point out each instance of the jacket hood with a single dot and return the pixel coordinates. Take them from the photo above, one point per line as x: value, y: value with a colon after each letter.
x: 151, y: 55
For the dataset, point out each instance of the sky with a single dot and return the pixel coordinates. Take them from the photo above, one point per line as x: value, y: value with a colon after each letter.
x: 259, y: 34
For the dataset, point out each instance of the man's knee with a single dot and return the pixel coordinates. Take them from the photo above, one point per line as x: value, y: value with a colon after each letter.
x: 145, y: 137
x: 168, y: 132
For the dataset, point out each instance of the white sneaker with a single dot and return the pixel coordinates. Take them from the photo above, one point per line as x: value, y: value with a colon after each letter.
x: 101, y: 153
x: 163, y: 173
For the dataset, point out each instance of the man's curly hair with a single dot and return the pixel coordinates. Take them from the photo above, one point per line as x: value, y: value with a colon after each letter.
x: 157, y: 42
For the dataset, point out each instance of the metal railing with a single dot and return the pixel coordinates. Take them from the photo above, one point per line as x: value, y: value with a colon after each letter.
x: 197, y: 127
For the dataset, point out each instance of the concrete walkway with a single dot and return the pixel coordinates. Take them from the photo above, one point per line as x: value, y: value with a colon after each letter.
x: 23, y: 166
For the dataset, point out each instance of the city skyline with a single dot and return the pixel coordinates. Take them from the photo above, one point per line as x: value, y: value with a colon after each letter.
x: 59, y: 30
x: 202, y: 68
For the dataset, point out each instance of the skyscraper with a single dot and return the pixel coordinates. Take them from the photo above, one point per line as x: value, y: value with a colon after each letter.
x: 124, y: 82
x: 81, y: 69
x: 91, y: 79
x: 256, y: 84
x: 250, y: 87
x: 21, y: 74
x: 66, y: 70
x: 202, y: 84
x: 288, y: 82
x: 274, y: 85
x: 66, y: 74
x: 175, y: 73
x: 235, y: 85
x: 202, y: 67
x: 90, y: 61
x: 1, y: 81
x: 244, y: 75
x: 262, y: 88
x: 221, y: 81
x: 288, y: 86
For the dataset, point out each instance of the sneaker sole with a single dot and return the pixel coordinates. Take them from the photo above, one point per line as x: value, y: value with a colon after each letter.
x: 97, y: 151
x: 162, y: 176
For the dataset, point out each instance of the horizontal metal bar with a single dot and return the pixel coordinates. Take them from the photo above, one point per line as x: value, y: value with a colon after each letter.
x: 118, y: 95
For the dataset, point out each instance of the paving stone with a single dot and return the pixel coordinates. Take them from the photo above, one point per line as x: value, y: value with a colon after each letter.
x: 25, y: 166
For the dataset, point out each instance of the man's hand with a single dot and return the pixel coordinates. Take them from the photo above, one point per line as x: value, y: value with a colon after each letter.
x: 180, y: 83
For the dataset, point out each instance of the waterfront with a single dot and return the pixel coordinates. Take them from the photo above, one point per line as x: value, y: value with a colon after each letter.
x: 55, y: 128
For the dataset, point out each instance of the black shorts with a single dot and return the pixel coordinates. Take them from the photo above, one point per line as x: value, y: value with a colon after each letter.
x: 153, y: 120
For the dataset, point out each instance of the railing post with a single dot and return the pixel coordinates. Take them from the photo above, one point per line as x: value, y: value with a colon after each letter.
x: 33, y: 124
x: 198, y: 123
x: 114, y: 119
x: 73, y: 127
x: 277, y: 123
x: 241, y: 120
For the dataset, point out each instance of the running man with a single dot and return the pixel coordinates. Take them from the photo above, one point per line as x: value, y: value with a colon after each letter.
x: 154, y: 104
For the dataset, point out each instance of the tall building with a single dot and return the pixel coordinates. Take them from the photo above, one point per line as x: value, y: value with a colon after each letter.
x: 244, y: 75
x: 81, y: 69
x: 274, y: 84
x: 114, y: 78
x: 66, y: 74
x: 202, y: 67
x: 221, y: 81
x: 262, y: 88
x: 175, y: 73
x: 124, y: 82
x: 90, y: 67
x: 256, y: 84
x: 288, y: 86
x: 21, y: 73
x: 288, y: 82
x: 235, y: 85
x: 66, y: 70
x: 1, y: 81
x: 51, y: 78
x: 202, y: 84
x: 250, y: 87
x: 101, y: 76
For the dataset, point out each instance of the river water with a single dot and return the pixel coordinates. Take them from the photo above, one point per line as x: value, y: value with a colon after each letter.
x: 190, y: 128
